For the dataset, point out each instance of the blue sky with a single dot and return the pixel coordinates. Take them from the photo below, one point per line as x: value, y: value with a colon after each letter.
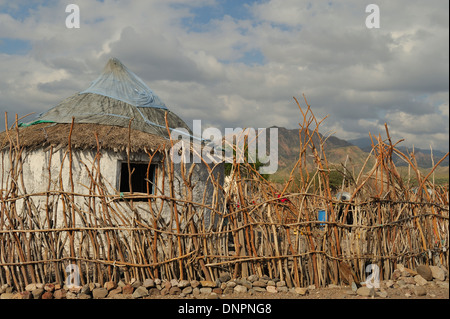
x: 239, y: 63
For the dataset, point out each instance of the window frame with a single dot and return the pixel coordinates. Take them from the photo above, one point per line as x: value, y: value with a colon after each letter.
x: 122, y: 167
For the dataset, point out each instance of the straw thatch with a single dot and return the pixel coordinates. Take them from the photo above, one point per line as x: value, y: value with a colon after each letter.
x: 84, y: 136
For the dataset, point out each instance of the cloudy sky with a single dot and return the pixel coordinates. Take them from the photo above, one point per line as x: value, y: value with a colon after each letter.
x: 240, y: 63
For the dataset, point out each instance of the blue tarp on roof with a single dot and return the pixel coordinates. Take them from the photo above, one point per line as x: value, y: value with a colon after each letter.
x: 119, y: 83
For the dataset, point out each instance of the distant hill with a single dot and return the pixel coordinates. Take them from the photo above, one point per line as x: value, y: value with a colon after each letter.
x: 338, y: 151
x: 423, y: 156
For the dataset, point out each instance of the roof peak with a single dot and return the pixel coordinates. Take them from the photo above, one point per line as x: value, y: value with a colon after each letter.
x: 118, y: 82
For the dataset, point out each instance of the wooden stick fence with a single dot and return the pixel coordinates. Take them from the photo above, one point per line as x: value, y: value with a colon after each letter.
x: 253, y: 226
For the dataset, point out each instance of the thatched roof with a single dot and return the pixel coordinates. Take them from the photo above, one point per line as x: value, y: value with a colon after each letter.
x: 111, y: 137
x: 115, y: 98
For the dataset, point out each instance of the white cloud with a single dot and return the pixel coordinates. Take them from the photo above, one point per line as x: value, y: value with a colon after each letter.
x: 361, y: 78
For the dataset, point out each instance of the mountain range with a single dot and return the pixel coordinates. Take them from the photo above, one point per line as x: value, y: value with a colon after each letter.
x: 339, y: 152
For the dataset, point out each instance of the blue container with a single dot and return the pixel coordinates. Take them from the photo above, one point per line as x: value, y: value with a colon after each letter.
x: 322, y: 217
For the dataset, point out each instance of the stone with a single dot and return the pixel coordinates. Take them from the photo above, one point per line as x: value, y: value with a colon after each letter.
x: 3, y: 288
x: 225, y: 277
x: 157, y: 281
x: 85, y: 290
x: 217, y: 291
x: 127, y: 289
x: 167, y: 285
x: 259, y: 283
x: 281, y: 283
x: 231, y: 284
x: 85, y: 296
x: 110, y: 285
x: 92, y: 286
x: 30, y: 287
x: 245, y: 283
x: 195, y: 283
x: 271, y: 283
x: 311, y: 287
x: 23, y: 295
x: 47, y: 295
x: 438, y: 273
x: 207, y: 283
x: 240, y: 289
x: 252, y: 278
x: 37, y: 293
x: 140, y: 292
x: 136, y: 283
x: 174, y: 283
x: 115, y: 291
x: 7, y: 295
x: 401, y: 283
x: 271, y: 289
x: 187, y: 290
x: 228, y: 290
x: 121, y: 283
x: 389, y: 283
x: 382, y: 294
x: 420, y: 291
x: 174, y: 291
x: 74, y: 289
x: 9, y: 290
x: 196, y: 291
x: 213, y: 295
x: 282, y: 289
x: 71, y: 295
x: 183, y: 283
x: 396, y: 274
x: 405, y: 274
x: 363, y: 291
x: 259, y: 289
x: 420, y: 280
x: 154, y: 292
x: 400, y: 267
x: 205, y: 290
x: 99, y: 293
x: 301, y: 291
x: 409, y: 280
x: 425, y: 272
x: 60, y: 294
x: 148, y: 283
x: 409, y: 271
x: 164, y: 291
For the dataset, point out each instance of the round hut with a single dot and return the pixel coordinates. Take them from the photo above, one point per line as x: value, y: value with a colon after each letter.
x: 100, y: 159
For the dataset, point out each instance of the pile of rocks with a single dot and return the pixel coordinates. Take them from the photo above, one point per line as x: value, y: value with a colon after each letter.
x: 416, y: 282
x: 154, y: 287
x: 412, y: 282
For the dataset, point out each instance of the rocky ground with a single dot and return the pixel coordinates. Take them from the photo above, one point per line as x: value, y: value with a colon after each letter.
x: 425, y: 282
